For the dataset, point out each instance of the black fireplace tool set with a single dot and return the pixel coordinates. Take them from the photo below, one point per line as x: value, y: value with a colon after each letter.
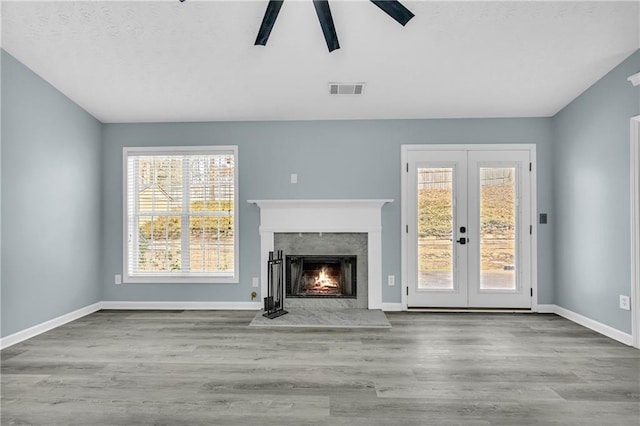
x: 274, y: 302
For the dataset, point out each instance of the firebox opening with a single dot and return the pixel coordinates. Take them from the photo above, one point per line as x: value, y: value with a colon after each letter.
x: 321, y: 276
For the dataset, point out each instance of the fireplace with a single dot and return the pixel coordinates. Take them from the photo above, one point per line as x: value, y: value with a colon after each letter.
x: 324, y: 270
x: 321, y: 276
x: 342, y: 218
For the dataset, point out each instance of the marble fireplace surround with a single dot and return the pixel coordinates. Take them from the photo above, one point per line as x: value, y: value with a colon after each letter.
x: 335, y: 216
x: 328, y: 244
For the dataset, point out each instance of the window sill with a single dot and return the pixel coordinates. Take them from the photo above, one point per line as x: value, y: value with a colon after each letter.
x: 191, y: 279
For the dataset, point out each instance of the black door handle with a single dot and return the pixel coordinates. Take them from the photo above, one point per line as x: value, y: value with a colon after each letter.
x: 462, y: 241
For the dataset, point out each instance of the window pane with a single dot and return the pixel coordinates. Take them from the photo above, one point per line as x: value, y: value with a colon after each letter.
x: 159, y: 243
x: 211, y: 183
x: 497, y: 228
x: 211, y: 243
x: 159, y: 185
x: 435, y: 228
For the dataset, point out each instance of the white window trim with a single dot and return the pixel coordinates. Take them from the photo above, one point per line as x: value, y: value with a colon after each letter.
x: 192, y: 278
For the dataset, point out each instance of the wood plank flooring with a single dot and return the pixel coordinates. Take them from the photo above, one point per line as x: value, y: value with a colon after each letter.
x: 210, y: 368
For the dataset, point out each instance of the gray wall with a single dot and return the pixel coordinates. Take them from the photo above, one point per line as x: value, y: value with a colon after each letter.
x: 592, y: 201
x: 51, y: 212
x: 333, y: 159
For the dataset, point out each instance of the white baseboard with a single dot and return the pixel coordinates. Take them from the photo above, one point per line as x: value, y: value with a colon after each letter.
x: 30, y: 332
x: 392, y: 307
x: 211, y: 306
x: 546, y: 309
x: 594, y: 325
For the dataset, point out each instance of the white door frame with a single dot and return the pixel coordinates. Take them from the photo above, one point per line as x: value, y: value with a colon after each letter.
x: 404, y: 155
x: 635, y: 230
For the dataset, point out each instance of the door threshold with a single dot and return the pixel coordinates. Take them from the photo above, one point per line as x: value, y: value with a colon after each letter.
x: 483, y: 310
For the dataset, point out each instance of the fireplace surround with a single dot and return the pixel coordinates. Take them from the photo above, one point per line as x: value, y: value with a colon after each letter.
x: 328, y: 245
x: 326, y: 216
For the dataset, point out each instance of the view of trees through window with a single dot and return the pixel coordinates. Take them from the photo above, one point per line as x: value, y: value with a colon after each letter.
x: 435, y: 223
x: 181, y: 213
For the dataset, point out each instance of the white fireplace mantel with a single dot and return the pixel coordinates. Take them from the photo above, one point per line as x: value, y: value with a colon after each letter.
x: 360, y: 215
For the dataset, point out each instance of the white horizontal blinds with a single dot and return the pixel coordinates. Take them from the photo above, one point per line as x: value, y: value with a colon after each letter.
x: 180, y: 214
x: 211, y: 213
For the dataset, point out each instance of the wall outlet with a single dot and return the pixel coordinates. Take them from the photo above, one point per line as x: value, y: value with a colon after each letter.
x: 255, y: 282
x: 391, y: 280
x: 294, y: 178
x: 625, y: 303
x: 117, y: 279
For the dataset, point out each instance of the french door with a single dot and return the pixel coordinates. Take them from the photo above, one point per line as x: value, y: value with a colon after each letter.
x: 469, y: 225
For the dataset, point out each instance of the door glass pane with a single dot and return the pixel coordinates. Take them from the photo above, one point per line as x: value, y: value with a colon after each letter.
x: 497, y: 228
x: 435, y: 228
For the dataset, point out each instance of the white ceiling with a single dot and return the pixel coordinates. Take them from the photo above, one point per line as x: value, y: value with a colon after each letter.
x: 148, y: 61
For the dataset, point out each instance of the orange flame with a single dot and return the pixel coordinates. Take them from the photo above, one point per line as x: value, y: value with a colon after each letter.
x: 324, y: 280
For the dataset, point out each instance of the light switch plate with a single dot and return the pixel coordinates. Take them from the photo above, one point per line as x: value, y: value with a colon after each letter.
x: 294, y: 178
x: 255, y: 282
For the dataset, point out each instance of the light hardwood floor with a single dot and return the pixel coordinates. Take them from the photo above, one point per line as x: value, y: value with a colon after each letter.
x: 205, y: 367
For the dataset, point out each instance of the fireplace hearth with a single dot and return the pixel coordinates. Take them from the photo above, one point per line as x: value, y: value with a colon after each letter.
x: 321, y: 276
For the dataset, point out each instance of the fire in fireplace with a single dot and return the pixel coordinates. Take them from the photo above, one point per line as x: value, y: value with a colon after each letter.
x: 321, y: 276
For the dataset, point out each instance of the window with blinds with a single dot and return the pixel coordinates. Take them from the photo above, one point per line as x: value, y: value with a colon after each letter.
x: 180, y: 206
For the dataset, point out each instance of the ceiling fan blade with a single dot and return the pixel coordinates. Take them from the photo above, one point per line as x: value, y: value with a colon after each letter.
x: 270, y: 15
x: 395, y: 9
x: 326, y: 22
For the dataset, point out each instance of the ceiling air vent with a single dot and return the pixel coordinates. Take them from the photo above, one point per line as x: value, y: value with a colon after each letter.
x: 346, y: 88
